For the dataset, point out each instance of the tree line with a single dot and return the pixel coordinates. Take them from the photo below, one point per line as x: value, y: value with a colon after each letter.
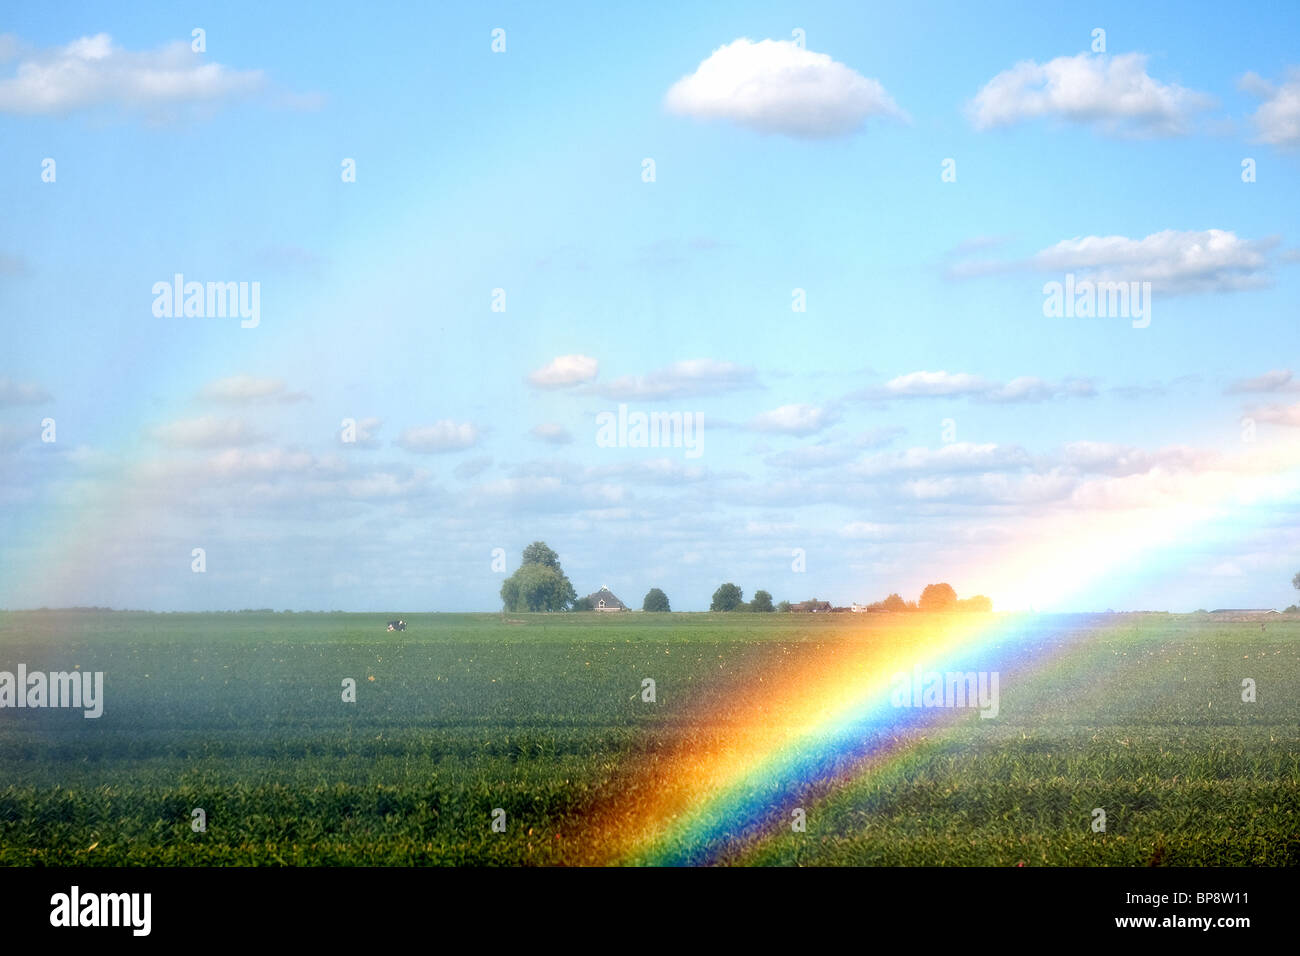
x: 540, y: 584
x: 934, y: 597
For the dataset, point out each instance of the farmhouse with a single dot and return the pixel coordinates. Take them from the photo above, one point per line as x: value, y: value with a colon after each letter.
x: 604, y: 600
x: 811, y: 607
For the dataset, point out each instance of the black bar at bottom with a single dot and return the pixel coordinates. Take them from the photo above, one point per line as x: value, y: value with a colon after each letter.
x: 947, y: 906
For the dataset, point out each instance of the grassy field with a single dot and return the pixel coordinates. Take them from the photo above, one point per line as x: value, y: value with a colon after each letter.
x: 241, y: 715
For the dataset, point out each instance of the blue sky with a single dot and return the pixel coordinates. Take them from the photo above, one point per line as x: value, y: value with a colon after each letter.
x: 777, y: 167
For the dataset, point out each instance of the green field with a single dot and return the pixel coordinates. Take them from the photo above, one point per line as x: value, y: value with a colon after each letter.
x: 241, y: 715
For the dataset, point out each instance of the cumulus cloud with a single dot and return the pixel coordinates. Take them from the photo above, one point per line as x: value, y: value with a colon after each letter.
x: 924, y: 384
x: 93, y: 71
x: 777, y: 86
x: 21, y: 393
x: 551, y: 433
x: 246, y: 389
x: 1114, y: 94
x: 1173, y: 261
x: 792, y: 420
x: 686, y: 379
x: 942, y: 384
x: 1277, y: 120
x: 565, y: 370
x: 441, y: 436
x: 206, y: 432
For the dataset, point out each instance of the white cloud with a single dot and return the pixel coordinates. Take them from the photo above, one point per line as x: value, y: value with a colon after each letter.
x: 552, y: 433
x: 441, y: 436
x: 1277, y: 120
x: 245, y: 389
x: 919, y: 384
x: 776, y: 86
x: 206, y: 432
x: 21, y: 393
x: 942, y: 384
x: 685, y: 379
x: 1113, y: 93
x: 1028, y: 388
x: 94, y: 72
x: 1173, y: 261
x: 792, y: 420
x: 565, y: 370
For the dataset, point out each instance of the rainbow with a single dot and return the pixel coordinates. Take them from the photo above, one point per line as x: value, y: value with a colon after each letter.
x: 787, y: 732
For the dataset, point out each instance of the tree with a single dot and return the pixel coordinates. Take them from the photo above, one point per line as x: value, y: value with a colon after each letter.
x: 895, y: 602
x: 783, y: 607
x: 979, y: 604
x: 584, y: 604
x: 727, y: 598
x: 938, y: 597
x: 539, y: 553
x: 539, y: 583
x: 655, y: 600
x: 762, y: 601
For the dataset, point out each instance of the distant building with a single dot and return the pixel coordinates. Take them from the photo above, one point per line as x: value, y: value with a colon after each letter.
x: 811, y: 607
x: 1253, y: 611
x: 605, y: 600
